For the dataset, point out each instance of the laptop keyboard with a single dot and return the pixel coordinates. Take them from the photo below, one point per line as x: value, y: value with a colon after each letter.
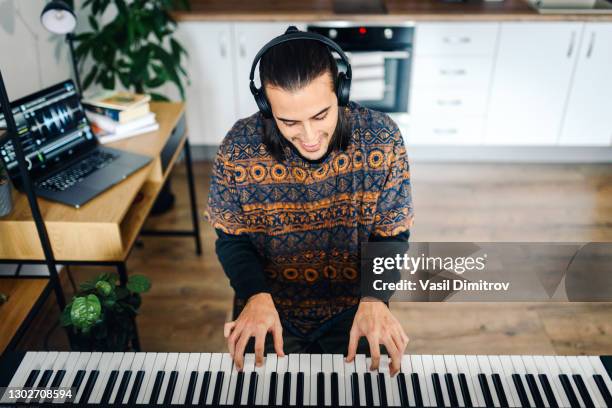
x: 76, y: 173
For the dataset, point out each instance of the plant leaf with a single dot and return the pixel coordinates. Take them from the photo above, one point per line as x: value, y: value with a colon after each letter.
x: 85, y: 312
x: 138, y: 284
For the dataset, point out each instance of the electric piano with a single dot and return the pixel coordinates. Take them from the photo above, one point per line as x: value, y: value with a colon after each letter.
x: 322, y: 380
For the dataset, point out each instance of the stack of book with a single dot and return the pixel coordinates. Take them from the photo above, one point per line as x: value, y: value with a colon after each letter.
x: 118, y: 115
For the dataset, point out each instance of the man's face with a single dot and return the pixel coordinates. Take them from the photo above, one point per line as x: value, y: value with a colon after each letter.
x: 307, y: 117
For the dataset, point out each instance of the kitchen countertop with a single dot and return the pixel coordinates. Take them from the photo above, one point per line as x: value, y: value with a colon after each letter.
x: 397, y: 11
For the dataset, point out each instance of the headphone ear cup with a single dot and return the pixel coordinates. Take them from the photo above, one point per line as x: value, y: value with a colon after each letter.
x: 262, y: 103
x: 343, y: 89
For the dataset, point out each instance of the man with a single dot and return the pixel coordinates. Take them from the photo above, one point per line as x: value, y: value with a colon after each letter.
x: 296, y: 189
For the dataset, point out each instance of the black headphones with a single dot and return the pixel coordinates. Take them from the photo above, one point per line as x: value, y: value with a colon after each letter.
x: 343, y: 82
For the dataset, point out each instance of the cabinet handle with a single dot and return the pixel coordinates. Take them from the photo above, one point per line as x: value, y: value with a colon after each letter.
x: 447, y: 102
x: 449, y: 131
x: 570, y: 49
x: 222, y: 45
x: 241, y: 46
x: 459, y: 71
x: 456, y: 40
x: 591, y: 45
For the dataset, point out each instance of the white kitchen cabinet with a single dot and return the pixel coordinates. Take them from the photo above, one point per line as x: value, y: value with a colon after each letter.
x: 531, y: 81
x: 211, y: 96
x: 461, y: 39
x: 248, y: 40
x: 588, y: 120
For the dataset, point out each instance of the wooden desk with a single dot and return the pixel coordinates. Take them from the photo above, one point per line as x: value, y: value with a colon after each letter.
x: 103, y: 230
x: 22, y: 294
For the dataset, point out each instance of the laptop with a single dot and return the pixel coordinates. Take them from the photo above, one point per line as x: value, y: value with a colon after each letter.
x: 67, y: 164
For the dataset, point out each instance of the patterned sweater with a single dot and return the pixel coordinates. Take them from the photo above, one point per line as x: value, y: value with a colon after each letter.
x: 306, y: 220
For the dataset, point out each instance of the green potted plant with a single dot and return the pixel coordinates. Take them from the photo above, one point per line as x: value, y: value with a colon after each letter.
x: 137, y: 47
x: 101, y: 315
x: 6, y: 200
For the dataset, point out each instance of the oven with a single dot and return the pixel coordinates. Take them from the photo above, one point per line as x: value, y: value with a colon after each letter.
x: 380, y: 57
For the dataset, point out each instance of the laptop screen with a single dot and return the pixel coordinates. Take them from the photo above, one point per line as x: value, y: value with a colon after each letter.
x: 52, y: 128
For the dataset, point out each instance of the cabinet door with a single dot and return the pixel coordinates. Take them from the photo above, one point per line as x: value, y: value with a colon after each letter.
x: 531, y: 81
x: 210, y: 98
x: 248, y: 40
x: 588, y: 120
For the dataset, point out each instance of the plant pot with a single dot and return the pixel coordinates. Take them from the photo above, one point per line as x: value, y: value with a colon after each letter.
x: 6, y: 199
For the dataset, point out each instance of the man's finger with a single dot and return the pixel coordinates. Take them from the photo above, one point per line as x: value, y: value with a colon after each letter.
x: 394, y: 353
x: 352, y: 346
x: 374, y: 351
x: 233, y: 338
x: 277, y: 336
x: 240, y: 346
x: 227, y: 328
x: 260, y: 338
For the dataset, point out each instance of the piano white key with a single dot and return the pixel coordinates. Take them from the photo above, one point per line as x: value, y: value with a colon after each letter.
x: 271, y: 360
x: 474, y: 367
x: 327, y: 368
x: 182, y: 365
x: 148, y: 382
x: 59, y: 364
x: 203, y: 366
x: 505, y: 372
x: 599, y: 368
x: 315, y: 369
x: 586, y: 372
x: 338, y: 361
x: 417, y: 365
x: 92, y: 365
x: 231, y: 390
x: 553, y: 377
x: 519, y: 368
x: 282, y: 364
x: 408, y: 369
x: 134, y: 367
x: 305, y: 368
x: 485, y: 368
x: 248, y: 368
x: 361, y: 368
x: 21, y: 374
x: 261, y: 374
x: 37, y: 365
x: 46, y: 364
x: 294, y: 369
x: 108, y: 362
x: 372, y: 374
x: 169, y: 366
x: 215, y: 367
x: 226, y: 367
x: 349, y: 369
x: 440, y: 368
x: 126, y: 363
x: 75, y: 362
x: 451, y: 368
x: 566, y: 368
x: 383, y: 368
x: 542, y: 368
x: 531, y: 368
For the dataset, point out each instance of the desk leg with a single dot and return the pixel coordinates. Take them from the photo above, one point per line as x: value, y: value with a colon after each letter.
x: 122, y: 270
x: 135, y: 339
x: 192, y: 198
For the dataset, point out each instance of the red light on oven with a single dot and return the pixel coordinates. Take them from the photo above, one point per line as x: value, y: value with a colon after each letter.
x: 362, y: 30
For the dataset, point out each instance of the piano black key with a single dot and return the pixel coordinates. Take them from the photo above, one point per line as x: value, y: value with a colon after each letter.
x: 416, y: 387
x: 403, y: 387
x: 57, y: 380
x: 450, y: 385
x: 486, y: 391
x: 91, y: 381
x: 31, y: 378
x: 465, y: 391
x: 355, y: 389
x: 567, y: 386
x: 170, y: 388
x: 535, y: 392
x: 253, y: 389
x: 218, y: 386
x: 136, y: 387
x: 603, y: 389
x: 520, y: 390
x: 125, y: 381
x: 435, y: 378
x: 499, y: 388
x: 335, y: 390
x: 110, y: 384
x: 272, y: 389
x: 44, y: 379
x: 299, y: 389
x: 159, y: 378
x: 550, y: 395
x: 584, y: 392
x: 239, y: 385
x: 286, y: 388
x: 368, y: 389
x: 193, y: 378
x: 204, y: 390
x: 320, y: 389
x: 382, y: 390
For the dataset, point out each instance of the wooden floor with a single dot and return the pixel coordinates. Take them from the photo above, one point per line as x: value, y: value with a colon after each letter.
x: 191, y: 298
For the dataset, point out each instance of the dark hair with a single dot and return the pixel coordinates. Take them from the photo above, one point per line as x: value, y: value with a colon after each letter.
x: 291, y: 66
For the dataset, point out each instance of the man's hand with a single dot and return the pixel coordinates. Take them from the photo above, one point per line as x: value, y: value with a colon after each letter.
x: 258, y: 317
x: 375, y: 321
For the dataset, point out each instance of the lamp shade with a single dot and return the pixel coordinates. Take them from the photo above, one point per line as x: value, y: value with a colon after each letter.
x: 58, y: 17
